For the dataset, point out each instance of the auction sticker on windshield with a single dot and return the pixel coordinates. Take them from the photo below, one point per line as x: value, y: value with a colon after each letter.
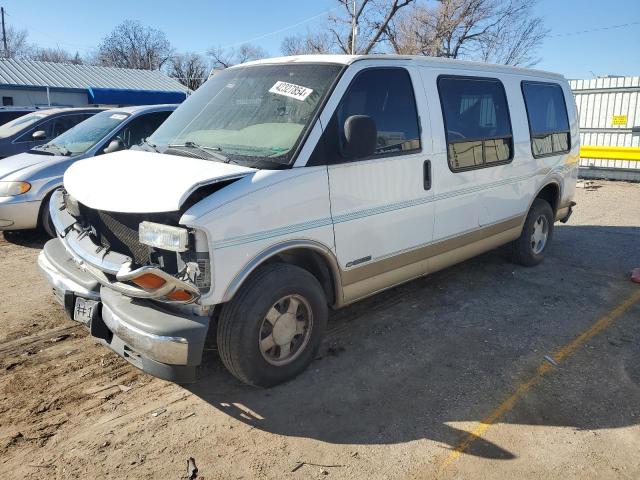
x: 291, y: 90
x: 118, y: 116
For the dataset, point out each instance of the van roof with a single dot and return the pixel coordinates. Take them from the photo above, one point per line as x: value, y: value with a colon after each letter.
x: 423, y: 60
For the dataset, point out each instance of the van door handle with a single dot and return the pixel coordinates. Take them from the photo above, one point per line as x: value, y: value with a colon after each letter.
x: 426, y: 174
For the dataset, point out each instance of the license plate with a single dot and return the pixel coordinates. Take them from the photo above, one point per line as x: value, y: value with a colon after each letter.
x: 83, y: 310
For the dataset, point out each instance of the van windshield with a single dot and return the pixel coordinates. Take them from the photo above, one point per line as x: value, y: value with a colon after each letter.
x: 19, y: 124
x: 86, y: 134
x: 254, y: 115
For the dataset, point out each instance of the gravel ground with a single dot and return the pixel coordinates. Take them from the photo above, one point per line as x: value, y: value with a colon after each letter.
x: 401, y: 380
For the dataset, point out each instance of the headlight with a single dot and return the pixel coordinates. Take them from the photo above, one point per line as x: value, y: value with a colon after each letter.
x: 165, y: 237
x: 11, y: 189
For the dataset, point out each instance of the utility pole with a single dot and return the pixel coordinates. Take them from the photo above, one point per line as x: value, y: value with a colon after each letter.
x: 354, y: 29
x: 4, y: 34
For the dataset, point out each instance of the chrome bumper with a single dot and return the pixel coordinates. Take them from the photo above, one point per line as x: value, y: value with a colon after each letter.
x: 165, y: 343
x: 171, y: 350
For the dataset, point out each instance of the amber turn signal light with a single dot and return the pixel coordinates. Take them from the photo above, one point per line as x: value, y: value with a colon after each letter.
x: 180, y: 296
x: 149, y: 281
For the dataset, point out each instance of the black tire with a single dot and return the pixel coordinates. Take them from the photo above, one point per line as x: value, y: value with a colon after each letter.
x: 45, y: 218
x: 524, y: 248
x: 241, y: 324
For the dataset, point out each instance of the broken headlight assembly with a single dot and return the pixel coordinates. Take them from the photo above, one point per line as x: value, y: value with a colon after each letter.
x: 165, y: 237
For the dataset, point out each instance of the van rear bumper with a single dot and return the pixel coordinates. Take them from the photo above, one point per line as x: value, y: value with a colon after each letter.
x: 563, y: 213
x: 165, y: 343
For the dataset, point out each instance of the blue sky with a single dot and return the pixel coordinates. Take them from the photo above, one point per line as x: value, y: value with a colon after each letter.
x: 198, y: 25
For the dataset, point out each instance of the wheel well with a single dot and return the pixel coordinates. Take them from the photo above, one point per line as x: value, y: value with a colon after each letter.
x: 314, y: 263
x: 43, y: 205
x: 550, y: 193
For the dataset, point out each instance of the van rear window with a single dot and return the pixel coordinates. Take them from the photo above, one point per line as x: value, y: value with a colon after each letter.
x: 477, y: 123
x: 548, y: 120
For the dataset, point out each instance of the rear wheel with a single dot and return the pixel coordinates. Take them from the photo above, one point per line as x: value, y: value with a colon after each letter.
x: 273, y: 327
x: 531, y: 247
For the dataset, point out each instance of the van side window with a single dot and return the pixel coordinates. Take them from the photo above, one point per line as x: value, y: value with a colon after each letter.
x: 477, y: 123
x: 386, y: 96
x: 548, y: 120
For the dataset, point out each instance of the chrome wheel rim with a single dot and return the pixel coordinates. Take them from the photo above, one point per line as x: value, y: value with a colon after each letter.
x: 540, y: 234
x: 285, y: 330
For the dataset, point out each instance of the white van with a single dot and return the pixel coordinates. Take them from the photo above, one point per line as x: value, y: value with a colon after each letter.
x: 286, y: 186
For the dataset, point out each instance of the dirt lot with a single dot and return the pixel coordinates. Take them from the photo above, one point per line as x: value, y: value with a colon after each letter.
x: 445, y: 376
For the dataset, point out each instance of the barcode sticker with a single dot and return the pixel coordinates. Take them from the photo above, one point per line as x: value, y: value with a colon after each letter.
x: 291, y: 90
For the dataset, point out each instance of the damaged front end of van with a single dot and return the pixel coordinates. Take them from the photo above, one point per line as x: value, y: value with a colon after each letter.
x: 132, y: 270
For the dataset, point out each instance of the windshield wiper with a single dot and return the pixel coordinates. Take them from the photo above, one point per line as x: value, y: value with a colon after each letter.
x: 151, y: 145
x: 209, y: 151
x: 48, y: 146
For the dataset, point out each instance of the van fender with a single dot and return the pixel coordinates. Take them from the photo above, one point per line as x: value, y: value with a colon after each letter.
x: 282, y: 247
x: 554, y: 179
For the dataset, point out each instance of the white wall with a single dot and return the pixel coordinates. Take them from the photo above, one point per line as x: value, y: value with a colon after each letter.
x: 30, y: 98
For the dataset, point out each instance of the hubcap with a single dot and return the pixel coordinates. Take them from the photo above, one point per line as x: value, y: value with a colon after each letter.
x: 540, y: 234
x: 285, y: 330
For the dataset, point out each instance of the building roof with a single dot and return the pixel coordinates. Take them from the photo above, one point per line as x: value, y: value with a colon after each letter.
x: 420, y: 59
x: 69, y: 76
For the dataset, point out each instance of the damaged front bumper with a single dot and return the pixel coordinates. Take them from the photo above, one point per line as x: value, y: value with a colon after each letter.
x: 165, y: 342
x: 109, y: 268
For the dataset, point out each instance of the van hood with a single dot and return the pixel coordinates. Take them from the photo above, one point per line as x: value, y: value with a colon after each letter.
x: 133, y: 181
x: 15, y: 163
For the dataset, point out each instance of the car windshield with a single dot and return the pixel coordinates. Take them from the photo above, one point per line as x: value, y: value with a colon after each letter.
x: 19, y: 124
x: 252, y: 115
x: 86, y: 134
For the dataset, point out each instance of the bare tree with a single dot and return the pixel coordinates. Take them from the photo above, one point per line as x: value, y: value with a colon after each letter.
x: 56, y: 55
x: 190, y: 69
x: 17, y: 44
x: 310, y: 43
x: 500, y: 31
x: 370, y: 19
x: 227, y: 57
x: 131, y: 45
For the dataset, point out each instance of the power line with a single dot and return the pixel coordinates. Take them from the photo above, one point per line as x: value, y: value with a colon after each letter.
x: 280, y: 30
x: 599, y: 29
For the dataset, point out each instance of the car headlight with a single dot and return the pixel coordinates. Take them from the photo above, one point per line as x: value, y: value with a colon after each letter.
x: 165, y: 237
x: 11, y: 189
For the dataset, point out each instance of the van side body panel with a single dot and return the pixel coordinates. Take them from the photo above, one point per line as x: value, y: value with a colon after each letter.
x: 464, y: 214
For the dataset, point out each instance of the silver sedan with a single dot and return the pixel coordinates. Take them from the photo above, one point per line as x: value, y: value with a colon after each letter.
x: 28, y: 179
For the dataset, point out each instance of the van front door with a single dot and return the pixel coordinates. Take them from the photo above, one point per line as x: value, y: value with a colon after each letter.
x: 381, y: 200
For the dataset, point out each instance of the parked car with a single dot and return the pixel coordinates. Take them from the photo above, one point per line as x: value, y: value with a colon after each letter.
x: 39, y: 127
x: 286, y: 186
x: 28, y: 179
x: 10, y: 113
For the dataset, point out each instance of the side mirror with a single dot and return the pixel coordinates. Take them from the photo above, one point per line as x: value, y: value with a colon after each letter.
x: 361, y: 137
x: 39, y: 135
x: 113, y: 146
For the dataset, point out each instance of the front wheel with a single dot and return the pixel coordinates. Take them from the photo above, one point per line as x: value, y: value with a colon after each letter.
x: 45, y: 218
x: 273, y: 327
x: 529, y: 250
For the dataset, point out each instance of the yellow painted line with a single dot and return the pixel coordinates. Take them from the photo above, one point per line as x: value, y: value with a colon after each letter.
x: 610, y: 153
x: 559, y: 355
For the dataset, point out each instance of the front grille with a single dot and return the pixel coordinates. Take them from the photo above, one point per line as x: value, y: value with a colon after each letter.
x: 118, y: 232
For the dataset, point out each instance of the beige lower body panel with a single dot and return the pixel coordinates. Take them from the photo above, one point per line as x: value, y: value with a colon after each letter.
x: 374, y: 277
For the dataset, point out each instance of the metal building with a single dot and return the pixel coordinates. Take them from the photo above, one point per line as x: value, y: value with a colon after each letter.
x: 609, y: 110
x: 29, y: 83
